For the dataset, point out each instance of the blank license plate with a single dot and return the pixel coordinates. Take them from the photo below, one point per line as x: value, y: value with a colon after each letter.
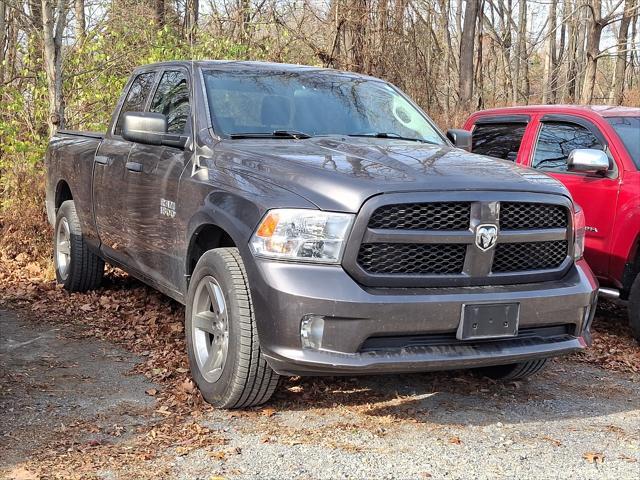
x: 494, y: 320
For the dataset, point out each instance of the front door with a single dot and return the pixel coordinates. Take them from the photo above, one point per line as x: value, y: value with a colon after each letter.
x: 109, y: 172
x: 597, y: 194
x: 152, y: 180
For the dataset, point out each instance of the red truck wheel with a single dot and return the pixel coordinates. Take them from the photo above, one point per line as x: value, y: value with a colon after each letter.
x: 634, y: 308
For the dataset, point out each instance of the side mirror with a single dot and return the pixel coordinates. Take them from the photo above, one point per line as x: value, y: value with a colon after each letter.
x: 142, y: 127
x: 460, y: 138
x: 588, y: 160
x: 150, y: 129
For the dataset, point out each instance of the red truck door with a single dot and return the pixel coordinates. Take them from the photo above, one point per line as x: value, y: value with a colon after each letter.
x: 555, y: 137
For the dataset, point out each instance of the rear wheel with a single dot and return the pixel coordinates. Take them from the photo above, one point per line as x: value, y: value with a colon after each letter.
x: 222, y: 339
x: 634, y: 308
x: 513, y: 371
x: 77, y: 267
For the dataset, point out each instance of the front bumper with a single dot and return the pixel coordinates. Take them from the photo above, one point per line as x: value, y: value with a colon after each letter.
x: 283, y: 293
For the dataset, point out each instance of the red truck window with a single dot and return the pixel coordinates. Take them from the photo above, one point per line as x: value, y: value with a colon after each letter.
x: 556, y: 140
x: 500, y: 140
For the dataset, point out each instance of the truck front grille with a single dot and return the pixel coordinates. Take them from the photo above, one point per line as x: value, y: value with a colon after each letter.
x: 422, y: 216
x: 513, y: 257
x: 522, y: 216
x: 405, y: 244
x: 411, y: 259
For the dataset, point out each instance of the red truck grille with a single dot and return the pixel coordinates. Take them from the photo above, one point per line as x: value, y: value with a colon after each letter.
x: 434, y: 243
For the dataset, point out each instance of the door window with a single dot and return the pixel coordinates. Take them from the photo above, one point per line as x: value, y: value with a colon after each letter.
x: 556, y: 141
x: 136, y: 98
x: 172, y: 100
x: 500, y: 140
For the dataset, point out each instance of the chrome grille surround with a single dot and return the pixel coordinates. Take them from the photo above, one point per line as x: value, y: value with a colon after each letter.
x: 414, y: 257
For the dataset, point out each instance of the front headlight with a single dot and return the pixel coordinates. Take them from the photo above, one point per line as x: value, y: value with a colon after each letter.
x: 304, y: 235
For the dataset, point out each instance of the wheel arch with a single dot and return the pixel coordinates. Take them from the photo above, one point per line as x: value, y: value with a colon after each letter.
x: 205, y: 237
x: 63, y: 193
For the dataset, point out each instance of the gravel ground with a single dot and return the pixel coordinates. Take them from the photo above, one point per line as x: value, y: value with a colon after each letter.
x: 572, y: 421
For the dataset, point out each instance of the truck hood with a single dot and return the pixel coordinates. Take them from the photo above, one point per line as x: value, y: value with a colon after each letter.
x: 340, y: 173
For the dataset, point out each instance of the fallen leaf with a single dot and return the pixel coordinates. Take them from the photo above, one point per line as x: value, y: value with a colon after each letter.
x: 593, y: 457
x: 455, y: 440
x: 268, y: 412
x: 21, y: 473
x: 151, y: 392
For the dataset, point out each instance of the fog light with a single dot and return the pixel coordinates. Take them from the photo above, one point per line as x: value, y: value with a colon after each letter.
x: 311, y: 330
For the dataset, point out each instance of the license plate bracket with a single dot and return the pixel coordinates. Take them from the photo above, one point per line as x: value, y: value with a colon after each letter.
x: 488, y: 320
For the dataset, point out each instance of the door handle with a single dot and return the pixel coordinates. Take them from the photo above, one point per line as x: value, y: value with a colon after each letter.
x: 99, y: 159
x: 134, y: 166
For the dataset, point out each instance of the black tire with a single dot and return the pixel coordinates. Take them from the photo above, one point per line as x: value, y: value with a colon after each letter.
x: 513, y: 371
x: 634, y: 308
x: 245, y: 377
x: 83, y: 269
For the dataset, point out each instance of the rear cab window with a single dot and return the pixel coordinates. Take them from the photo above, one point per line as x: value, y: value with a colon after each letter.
x: 499, y: 137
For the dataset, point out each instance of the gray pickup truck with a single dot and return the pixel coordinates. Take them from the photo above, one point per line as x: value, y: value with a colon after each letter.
x: 316, y: 222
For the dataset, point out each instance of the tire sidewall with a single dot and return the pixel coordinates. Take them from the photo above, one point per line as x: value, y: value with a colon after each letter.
x: 65, y: 211
x: 213, y: 264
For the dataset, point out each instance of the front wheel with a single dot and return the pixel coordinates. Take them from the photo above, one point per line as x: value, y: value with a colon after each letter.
x: 222, y: 339
x: 513, y: 371
x: 634, y: 308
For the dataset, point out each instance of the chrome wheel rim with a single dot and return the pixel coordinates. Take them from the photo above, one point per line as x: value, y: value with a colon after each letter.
x: 210, y: 328
x: 63, y: 248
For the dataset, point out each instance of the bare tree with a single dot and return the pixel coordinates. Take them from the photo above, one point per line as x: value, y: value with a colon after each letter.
x: 550, y: 83
x: 3, y: 37
x: 54, y: 17
x: 618, y: 82
x: 191, y: 14
x: 81, y: 23
x: 467, y: 41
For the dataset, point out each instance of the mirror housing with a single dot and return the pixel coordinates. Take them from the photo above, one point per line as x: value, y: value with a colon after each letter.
x: 588, y: 160
x: 460, y: 138
x: 150, y: 129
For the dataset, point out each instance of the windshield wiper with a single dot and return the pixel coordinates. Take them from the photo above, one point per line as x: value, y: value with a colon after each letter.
x: 275, y: 134
x: 390, y: 135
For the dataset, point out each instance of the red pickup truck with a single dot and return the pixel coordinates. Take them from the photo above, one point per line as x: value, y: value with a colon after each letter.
x: 595, y: 152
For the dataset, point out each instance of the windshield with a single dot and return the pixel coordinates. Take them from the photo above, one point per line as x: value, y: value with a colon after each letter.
x: 628, y: 129
x: 312, y: 103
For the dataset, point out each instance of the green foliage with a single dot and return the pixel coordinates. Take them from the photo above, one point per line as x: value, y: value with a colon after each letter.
x: 95, y: 72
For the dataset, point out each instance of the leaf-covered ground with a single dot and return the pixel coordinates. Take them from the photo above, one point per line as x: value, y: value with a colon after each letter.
x: 181, y: 426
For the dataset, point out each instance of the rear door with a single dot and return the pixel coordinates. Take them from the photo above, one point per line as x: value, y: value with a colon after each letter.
x: 501, y: 136
x: 152, y: 186
x: 556, y: 136
x: 109, y: 171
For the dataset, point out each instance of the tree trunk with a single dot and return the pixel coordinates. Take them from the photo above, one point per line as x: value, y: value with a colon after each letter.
x: 465, y: 84
x: 81, y: 23
x: 594, y: 33
x: 582, y: 16
x: 53, y: 24
x: 159, y: 12
x: 191, y: 14
x: 549, y: 90
x: 617, y: 91
x: 519, y: 57
x: 3, y: 37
